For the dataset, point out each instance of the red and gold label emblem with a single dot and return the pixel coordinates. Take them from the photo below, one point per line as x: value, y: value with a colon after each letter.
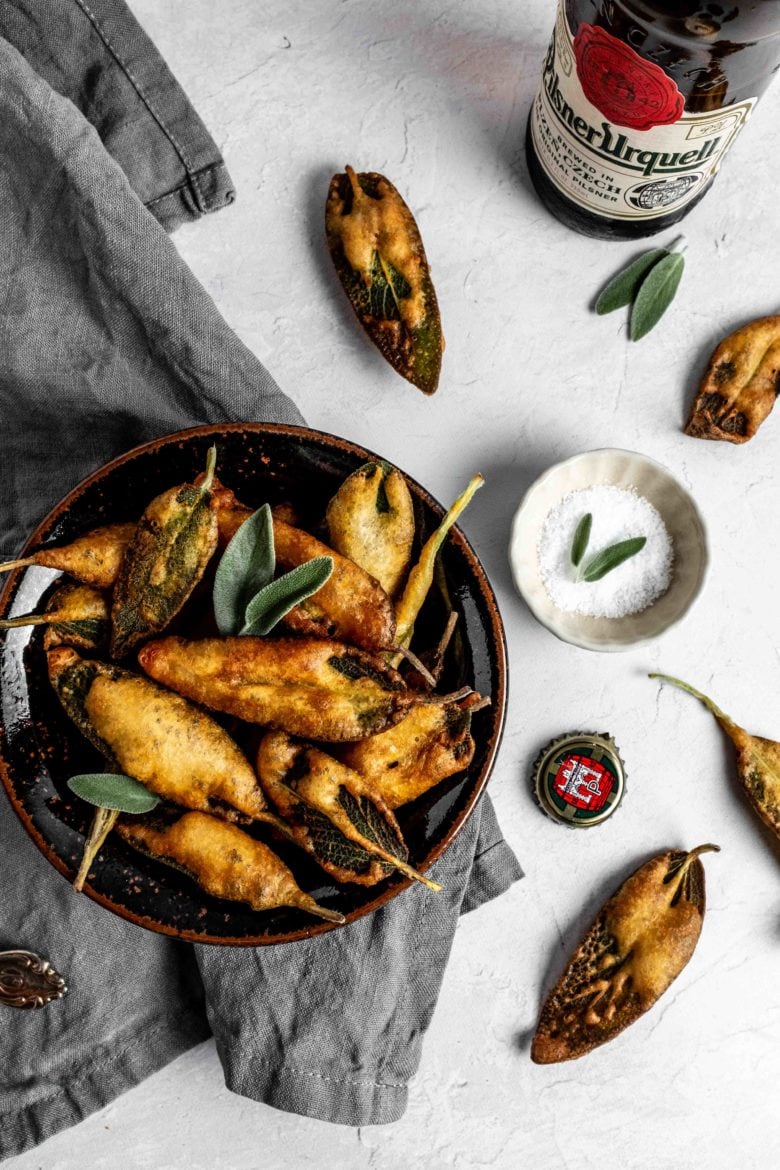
x: 624, y: 87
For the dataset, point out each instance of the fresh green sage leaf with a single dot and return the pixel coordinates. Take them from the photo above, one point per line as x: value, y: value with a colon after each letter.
x: 276, y: 600
x: 581, y: 538
x: 622, y: 289
x: 609, y: 558
x: 109, y: 790
x: 656, y: 294
x: 247, y: 565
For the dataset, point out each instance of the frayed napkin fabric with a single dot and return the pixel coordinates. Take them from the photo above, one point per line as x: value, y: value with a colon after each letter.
x: 107, y: 340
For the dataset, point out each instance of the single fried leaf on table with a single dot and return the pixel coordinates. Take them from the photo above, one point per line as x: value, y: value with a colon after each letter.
x: 610, y: 558
x: 114, y: 791
x: 622, y: 289
x: 379, y: 258
x: 740, y: 385
x: 639, y: 943
x: 246, y: 566
x: 581, y: 537
x: 656, y: 294
x: 758, y: 759
x: 275, y: 600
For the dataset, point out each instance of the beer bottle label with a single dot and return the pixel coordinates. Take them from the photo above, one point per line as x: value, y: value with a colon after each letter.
x: 611, y: 133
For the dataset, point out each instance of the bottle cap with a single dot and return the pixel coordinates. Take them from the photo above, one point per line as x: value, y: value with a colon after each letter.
x: 579, y: 779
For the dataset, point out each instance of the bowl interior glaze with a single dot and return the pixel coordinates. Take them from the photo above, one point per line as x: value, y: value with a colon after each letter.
x: 40, y: 749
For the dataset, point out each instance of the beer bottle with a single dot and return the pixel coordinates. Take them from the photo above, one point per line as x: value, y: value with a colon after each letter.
x: 639, y: 102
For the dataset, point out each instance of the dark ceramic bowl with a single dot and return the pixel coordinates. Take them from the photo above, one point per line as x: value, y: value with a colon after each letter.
x: 40, y: 749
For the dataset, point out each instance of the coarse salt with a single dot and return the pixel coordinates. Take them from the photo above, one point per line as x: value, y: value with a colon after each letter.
x: 618, y: 514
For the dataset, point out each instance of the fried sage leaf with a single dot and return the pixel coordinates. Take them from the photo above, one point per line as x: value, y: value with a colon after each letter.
x: 432, y: 743
x: 421, y: 576
x: 174, y: 749
x: 758, y: 760
x: 172, y: 545
x: 93, y: 559
x: 225, y: 861
x: 75, y: 614
x: 740, y: 384
x: 379, y: 257
x: 371, y: 521
x: 293, y: 772
x: 308, y: 686
x: 640, y: 942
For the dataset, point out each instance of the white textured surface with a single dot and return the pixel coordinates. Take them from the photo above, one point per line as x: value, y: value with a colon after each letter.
x: 435, y: 94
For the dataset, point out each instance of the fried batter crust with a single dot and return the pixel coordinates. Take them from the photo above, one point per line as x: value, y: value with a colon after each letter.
x: 307, y: 686
x: 222, y: 858
x: 431, y: 743
x: 171, y: 747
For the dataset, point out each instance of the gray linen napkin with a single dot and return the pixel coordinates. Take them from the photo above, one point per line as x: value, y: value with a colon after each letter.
x: 106, y: 339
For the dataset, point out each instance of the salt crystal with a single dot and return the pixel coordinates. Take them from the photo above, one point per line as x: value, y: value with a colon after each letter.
x: 618, y: 514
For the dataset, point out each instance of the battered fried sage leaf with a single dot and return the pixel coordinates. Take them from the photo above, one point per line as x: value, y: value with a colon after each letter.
x: 421, y: 576
x: 93, y: 559
x: 167, y: 557
x: 371, y: 521
x: 76, y: 615
x: 758, y: 760
x: 309, y: 788
x: 740, y: 385
x: 142, y: 730
x: 640, y: 942
x: 380, y: 260
x: 224, y: 860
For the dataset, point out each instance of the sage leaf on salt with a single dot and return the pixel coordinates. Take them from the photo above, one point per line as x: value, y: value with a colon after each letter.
x: 114, y: 791
x: 275, y: 600
x: 246, y: 566
x: 581, y: 538
x: 609, y: 558
x: 622, y: 289
x: 655, y: 295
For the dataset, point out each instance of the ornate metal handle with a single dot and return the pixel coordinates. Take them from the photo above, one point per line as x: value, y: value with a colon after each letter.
x: 28, y: 981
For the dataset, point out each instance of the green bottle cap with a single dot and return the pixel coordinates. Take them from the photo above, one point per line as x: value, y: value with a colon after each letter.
x: 579, y: 779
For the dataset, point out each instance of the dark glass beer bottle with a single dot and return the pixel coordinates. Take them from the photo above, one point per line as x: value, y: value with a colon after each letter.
x: 638, y: 104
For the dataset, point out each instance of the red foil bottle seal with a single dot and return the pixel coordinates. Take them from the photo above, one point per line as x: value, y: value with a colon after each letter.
x: 579, y: 779
x: 626, y: 88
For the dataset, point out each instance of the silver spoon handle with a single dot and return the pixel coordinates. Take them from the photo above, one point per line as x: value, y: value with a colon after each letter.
x: 28, y: 981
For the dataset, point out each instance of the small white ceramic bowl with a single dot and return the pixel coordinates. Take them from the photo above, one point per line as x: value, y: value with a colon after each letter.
x: 625, y: 469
